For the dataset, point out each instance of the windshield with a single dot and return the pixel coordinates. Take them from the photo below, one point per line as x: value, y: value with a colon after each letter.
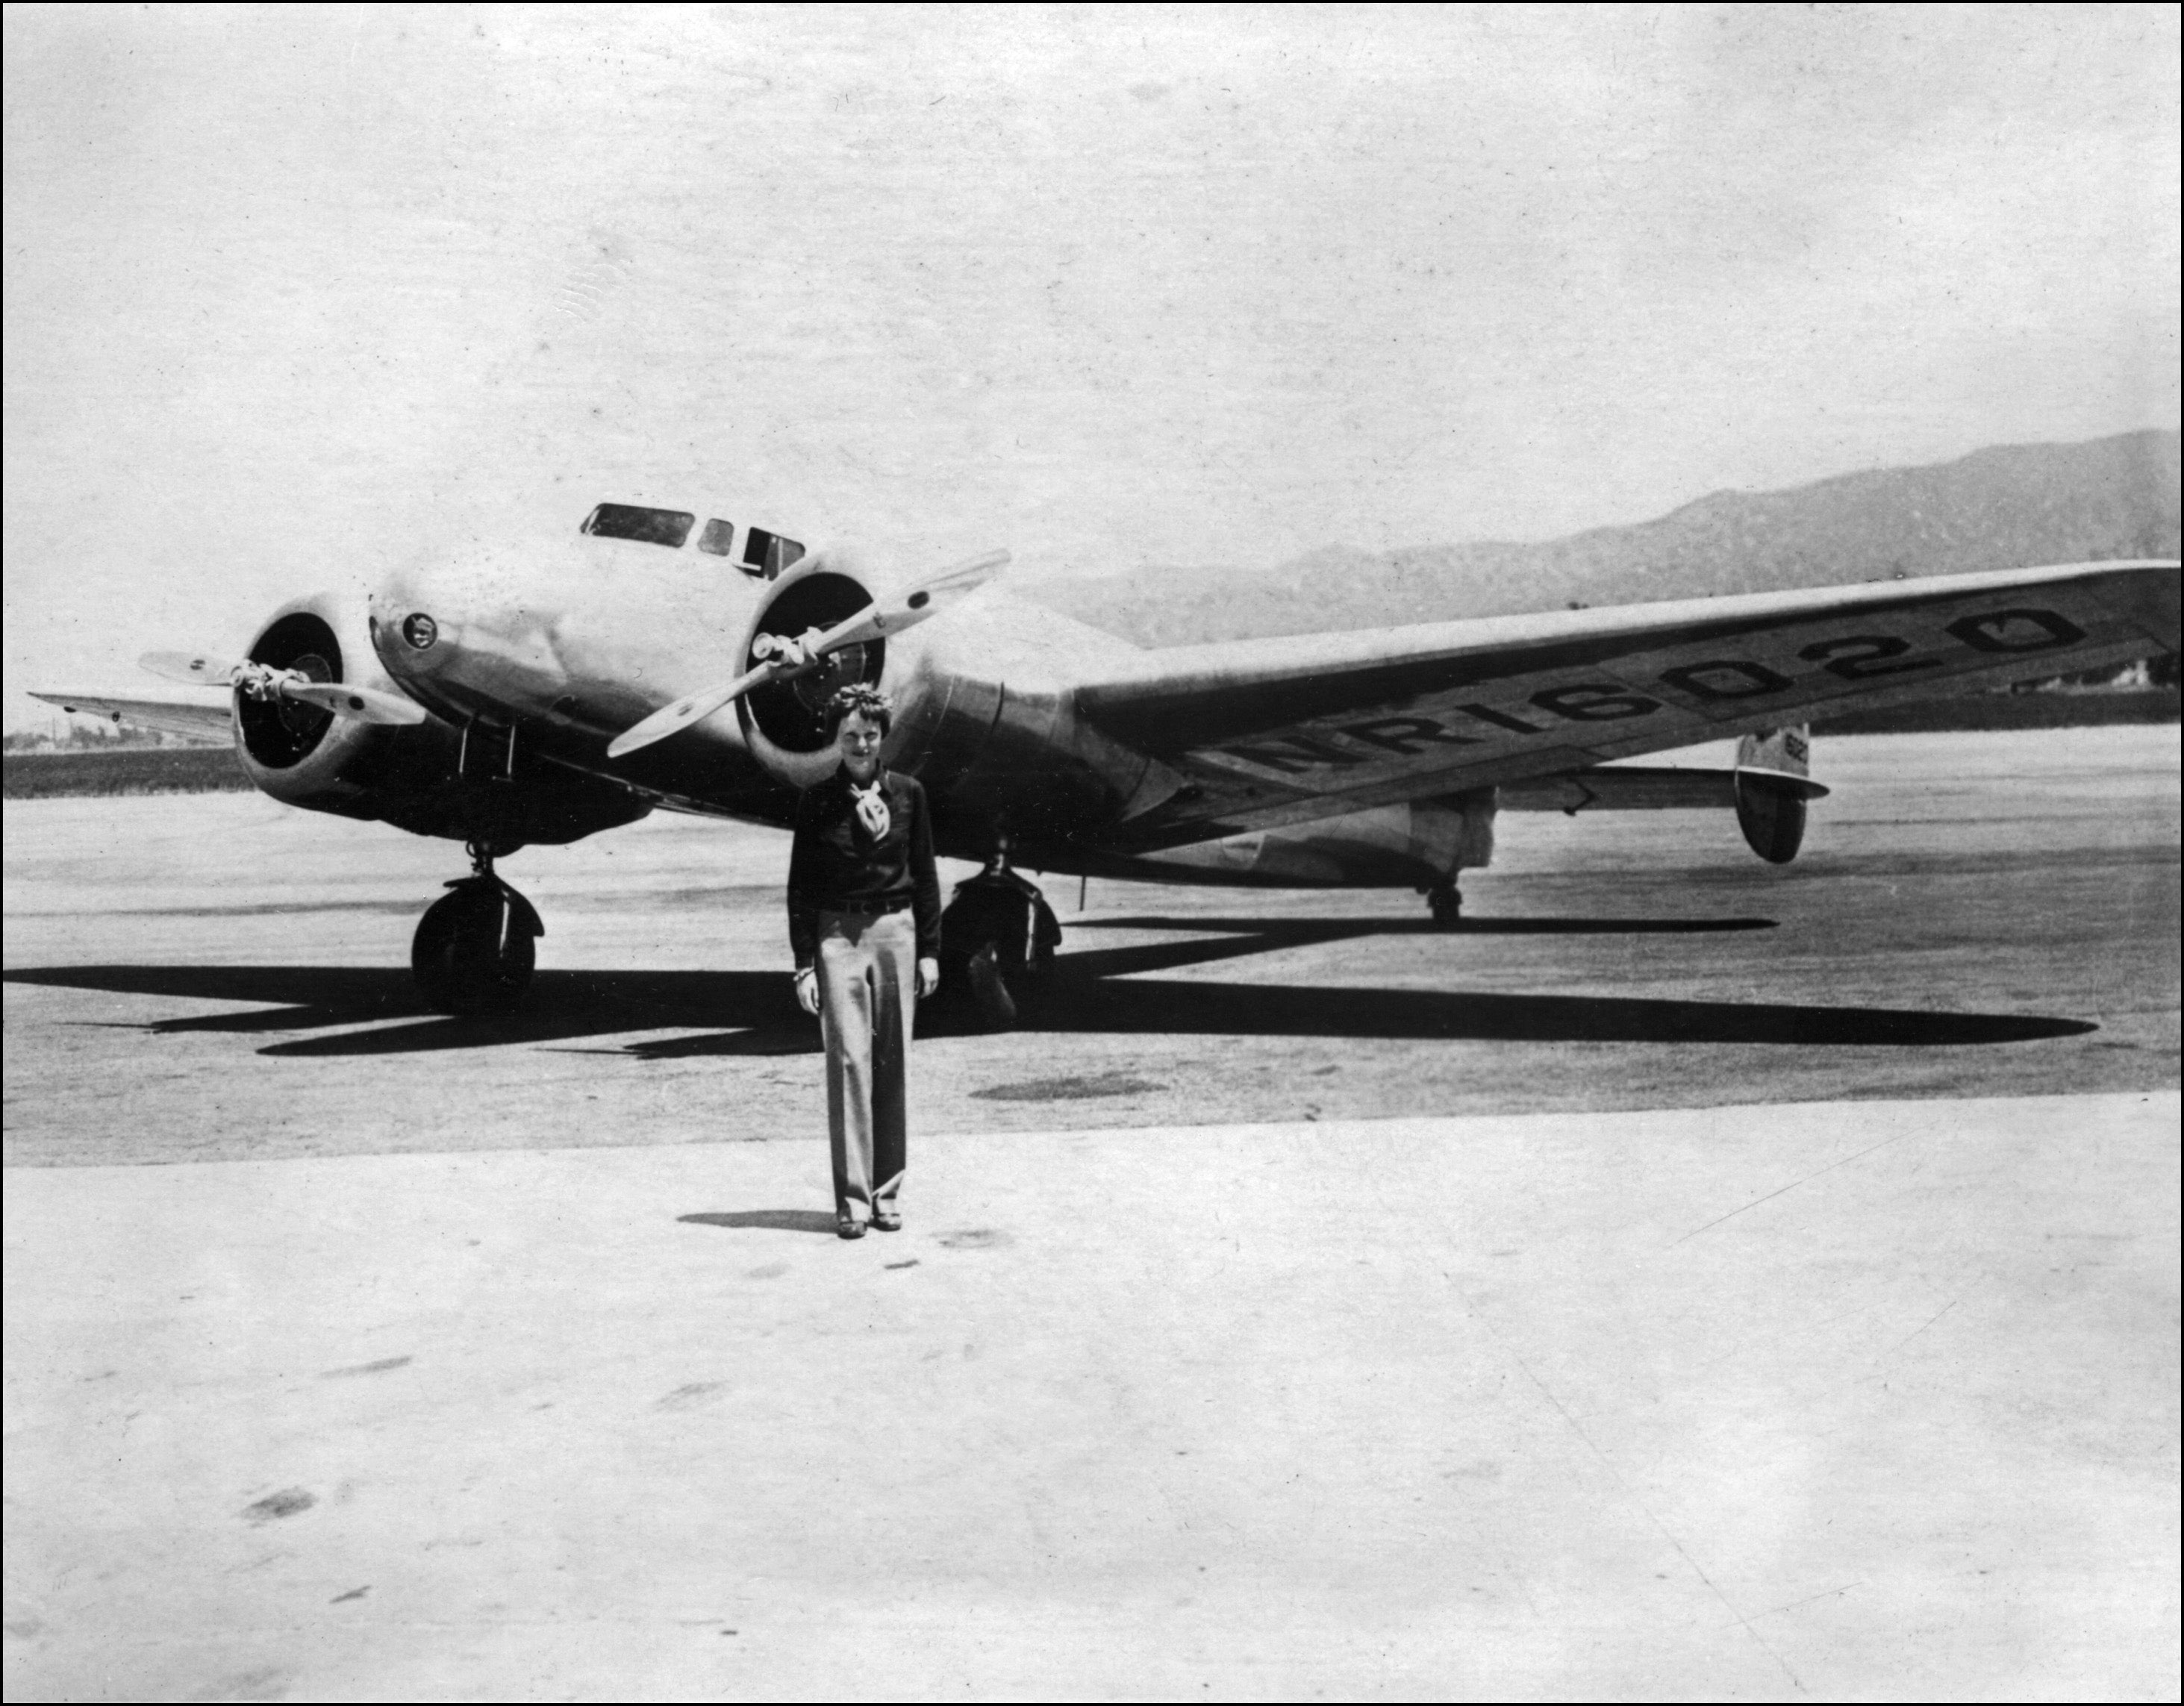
x: 668, y: 527
x: 769, y: 553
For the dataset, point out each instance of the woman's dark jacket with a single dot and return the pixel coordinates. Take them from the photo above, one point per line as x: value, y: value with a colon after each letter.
x: 836, y: 865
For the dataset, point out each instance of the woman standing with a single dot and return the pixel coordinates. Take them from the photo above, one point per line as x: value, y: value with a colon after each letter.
x: 864, y: 919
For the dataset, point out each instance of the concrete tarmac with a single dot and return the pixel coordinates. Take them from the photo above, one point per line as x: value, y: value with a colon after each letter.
x: 1692, y: 1280
x: 217, y: 976
x: 1751, y: 1404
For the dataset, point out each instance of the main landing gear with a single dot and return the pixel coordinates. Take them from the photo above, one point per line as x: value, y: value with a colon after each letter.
x: 997, y: 941
x: 474, y: 952
x: 1444, y: 901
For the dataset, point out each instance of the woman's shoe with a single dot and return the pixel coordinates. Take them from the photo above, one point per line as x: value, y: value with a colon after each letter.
x: 846, y: 1227
x: 886, y: 1220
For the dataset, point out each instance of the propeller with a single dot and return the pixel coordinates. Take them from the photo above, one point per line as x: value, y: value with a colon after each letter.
x: 264, y: 681
x: 784, y: 658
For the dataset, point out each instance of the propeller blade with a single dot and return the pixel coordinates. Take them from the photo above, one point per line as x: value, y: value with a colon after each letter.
x: 913, y: 605
x: 904, y: 609
x: 189, y: 666
x: 694, y: 708
x: 359, y: 704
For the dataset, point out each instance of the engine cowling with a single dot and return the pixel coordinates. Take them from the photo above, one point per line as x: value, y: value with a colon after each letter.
x: 1772, y: 815
x: 1774, y: 774
x: 413, y: 777
x: 305, y: 756
x: 784, y: 722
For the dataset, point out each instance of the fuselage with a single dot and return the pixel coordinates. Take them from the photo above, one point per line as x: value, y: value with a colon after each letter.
x: 568, y: 642
x: 563, y: 642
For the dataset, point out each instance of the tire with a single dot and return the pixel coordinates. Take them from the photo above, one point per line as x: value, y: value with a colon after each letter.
x: 997, y: 1008
x: 470, y: 957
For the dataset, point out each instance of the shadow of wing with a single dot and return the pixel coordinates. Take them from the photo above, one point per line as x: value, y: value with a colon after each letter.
x: 1284, y: 932
x: 347, y: 991
x: 756, y: 1006
x: 1287, y: 1010
x: 752, y: 1013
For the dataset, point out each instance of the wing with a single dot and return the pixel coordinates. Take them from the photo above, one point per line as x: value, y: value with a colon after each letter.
x: 1256, y: 733
x: 202, y: 719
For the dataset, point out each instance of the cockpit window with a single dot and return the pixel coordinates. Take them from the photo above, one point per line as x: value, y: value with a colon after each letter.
x: 769, y: 553
x: 669, y: 527
x: 719, y: 538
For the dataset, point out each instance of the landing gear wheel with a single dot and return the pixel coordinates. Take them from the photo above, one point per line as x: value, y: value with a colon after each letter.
x: 997, y: 941
x: 1445, y: 902
x: 475, y: 951
x: 997, y: 1008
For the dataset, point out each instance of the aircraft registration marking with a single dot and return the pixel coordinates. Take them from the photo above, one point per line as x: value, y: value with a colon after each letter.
x: 1724, y: 682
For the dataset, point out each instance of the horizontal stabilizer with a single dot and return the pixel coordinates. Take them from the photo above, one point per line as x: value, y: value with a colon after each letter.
x: 1638, y: 788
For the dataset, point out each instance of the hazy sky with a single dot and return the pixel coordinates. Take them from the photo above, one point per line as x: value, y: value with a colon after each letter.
x: 292, y: 292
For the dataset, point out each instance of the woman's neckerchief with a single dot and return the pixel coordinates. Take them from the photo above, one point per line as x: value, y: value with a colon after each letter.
x: 871, y: 801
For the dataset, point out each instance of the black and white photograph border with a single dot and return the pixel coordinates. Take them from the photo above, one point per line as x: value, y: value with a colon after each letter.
x: 1435, y: 750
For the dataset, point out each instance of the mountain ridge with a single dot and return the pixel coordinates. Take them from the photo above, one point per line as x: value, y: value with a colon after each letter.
x: 2003, y: 507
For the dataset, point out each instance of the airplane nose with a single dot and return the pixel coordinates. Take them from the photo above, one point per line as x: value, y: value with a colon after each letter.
x: 415, y: 623
x: 475, y: 632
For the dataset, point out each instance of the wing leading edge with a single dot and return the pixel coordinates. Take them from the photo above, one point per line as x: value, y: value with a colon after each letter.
x: 1256, y: 733
x: 205, y: 718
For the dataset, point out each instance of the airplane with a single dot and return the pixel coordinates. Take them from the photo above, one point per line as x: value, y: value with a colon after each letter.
x: 544, y: 690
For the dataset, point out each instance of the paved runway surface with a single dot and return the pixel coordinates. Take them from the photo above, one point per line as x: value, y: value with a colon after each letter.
x: 216, y: 976
x: 1747, y: 1404
x: 445, y: 1375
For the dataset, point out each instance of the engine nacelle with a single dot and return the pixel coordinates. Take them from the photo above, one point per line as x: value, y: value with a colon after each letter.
x: 427, y: 778
x: 784, y: 722
x: 1773, y: 780
x: 305, y: 756
x: 977, y: 718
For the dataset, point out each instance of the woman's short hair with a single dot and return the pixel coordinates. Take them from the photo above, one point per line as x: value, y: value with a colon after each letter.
x: 859, y: 700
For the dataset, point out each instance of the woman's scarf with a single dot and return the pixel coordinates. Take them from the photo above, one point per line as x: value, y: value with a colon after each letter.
x: 871, y: 801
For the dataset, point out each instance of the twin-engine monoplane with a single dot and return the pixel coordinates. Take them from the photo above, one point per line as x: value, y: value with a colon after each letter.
x: 545, y: 692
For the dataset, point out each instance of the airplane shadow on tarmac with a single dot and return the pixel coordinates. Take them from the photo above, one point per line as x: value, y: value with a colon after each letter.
x: 1095, y: 991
